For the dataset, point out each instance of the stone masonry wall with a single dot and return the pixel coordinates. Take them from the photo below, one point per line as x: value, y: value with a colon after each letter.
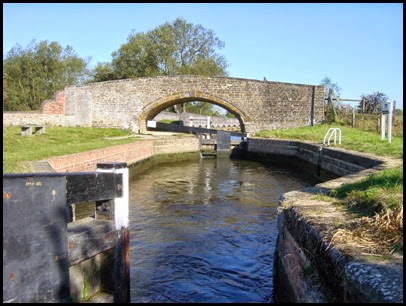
x: 259, y: 105
x: 129, y: 103
x: 23, y: 118
x: 171, y: 146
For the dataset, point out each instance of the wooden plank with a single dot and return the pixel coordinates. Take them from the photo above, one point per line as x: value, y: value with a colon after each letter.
x: 89, y: 237
x: 122, y: 267
x: 93, y: 186
x: 35, y: 257
x: 223, y: 141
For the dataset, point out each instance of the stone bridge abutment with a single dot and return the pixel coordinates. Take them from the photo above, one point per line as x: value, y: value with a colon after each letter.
x: 129, y: 103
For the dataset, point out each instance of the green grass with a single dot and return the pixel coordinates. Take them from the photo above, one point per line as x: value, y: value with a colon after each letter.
x: 352, y: 139
x: 375, y: 194
x: 19, y: 150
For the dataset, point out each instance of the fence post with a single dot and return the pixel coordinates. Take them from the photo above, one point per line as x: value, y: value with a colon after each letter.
x: 122, y: 250
x: 353, y: 118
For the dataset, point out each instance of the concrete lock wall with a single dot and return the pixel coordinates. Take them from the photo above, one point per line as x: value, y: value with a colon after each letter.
x: 128, y: 103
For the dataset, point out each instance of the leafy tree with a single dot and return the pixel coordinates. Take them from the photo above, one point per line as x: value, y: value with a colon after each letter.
x: 103, y: 72
x: 229, y: 115
x: 201, y: 108
x: 34, y: 74
x: 173, y: 48
x: 373, y: 102
x: 176, y: 48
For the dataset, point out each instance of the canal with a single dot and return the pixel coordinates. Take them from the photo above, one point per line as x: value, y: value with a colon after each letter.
x: 205, y: 230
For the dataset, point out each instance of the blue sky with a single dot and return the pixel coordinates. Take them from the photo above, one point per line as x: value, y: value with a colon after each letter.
x: 359, y: 46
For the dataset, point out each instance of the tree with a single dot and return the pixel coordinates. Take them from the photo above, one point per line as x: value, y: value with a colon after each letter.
x: 103, y: 72
x: 328, y: 84
x: 373, y: 102
x: 173, y: 48
x: 176, y: 48
x: 34, y: 74
x: 201, y: 108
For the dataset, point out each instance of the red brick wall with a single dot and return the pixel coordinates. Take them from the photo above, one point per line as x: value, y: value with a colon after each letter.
x: 55, y: 106
x: 129, y: 153
x: 87, y: 161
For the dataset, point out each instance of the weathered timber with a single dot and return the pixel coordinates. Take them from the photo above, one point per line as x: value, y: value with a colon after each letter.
x: 35, y: 257
x: 122, y: 267
x: 89, y: 237
x: 223, y: 141
x: 92, y: 186
x: 40, y: 248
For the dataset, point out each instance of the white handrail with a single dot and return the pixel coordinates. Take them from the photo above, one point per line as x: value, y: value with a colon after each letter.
x: 333, y: 132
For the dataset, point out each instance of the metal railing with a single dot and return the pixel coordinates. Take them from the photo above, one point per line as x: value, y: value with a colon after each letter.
x: 331, y: 132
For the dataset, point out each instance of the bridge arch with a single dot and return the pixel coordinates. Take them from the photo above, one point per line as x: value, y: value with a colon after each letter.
x: 152, y: 109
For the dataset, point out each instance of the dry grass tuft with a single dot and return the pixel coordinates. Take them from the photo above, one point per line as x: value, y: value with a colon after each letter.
x: 378, y: 235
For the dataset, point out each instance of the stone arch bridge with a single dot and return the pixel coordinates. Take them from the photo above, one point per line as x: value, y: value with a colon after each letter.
x: 129, y: 103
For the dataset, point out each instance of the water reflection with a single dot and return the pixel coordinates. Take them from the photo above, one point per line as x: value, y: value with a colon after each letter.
x: 205, y: 231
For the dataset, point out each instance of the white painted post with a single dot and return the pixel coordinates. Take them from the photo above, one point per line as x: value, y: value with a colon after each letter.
x: 191, y: 121
x: 121, y: 264
x: 383, y: 127
x: 151, y: 123
x: 390, y: 121
x: 208, y: 122
x: 121, y: 210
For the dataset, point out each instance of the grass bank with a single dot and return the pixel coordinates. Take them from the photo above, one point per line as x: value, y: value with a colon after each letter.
x: 56, y: 141
x: 376, y: 202
x: 352, y: 139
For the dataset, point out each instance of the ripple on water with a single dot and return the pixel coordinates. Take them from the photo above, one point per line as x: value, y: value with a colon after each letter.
x: 205, y: 231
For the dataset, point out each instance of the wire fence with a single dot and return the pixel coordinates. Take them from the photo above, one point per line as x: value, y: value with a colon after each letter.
x: 370, y: 122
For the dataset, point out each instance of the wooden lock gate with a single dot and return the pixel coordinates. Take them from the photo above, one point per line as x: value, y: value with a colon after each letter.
x: 42, y: 249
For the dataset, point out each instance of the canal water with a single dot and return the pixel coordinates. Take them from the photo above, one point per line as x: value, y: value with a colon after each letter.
x: 205, y: 230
